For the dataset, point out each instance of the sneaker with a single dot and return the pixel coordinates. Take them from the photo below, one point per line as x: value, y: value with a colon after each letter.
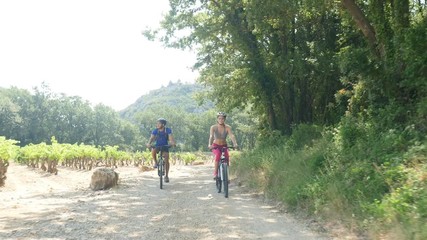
x: 166, y: 179
x: 155, y: 165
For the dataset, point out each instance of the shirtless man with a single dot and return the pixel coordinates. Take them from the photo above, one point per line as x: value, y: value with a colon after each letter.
x: 217, y: 139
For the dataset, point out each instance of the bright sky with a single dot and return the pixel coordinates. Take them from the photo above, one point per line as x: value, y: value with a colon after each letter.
x: 90, y: 48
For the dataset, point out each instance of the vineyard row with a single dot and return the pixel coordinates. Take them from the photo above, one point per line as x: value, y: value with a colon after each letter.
x: 78, y: 156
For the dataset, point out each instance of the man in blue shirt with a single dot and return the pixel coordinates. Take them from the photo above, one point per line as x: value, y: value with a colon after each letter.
x: 163, y: 138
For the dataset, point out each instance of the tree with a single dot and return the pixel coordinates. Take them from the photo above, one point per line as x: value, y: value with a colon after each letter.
x: 36, y: 118
x: 393, y: 76
x: 252, y: 53
x: 106, y: 126
x: 9, y: 115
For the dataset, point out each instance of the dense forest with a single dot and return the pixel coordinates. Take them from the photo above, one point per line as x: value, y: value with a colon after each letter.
x: 307, y: 62
x: 339, y: 89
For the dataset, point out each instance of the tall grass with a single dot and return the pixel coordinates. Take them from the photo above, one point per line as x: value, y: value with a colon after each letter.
x: 376, y: 181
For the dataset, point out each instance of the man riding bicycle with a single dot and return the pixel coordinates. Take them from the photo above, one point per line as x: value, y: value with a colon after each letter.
x: 217, y: 139
x: 163, y: 138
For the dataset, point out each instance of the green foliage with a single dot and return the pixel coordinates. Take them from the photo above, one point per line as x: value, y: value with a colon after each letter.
x: 34, y: 118
x: 333, y: 96
x: 178, y: 105
x: 405, y: 205
x: 188, y: 158
x: 8, y: 149
x: 283, y: 170
x: 78, y: 156
x: 256, y: 54
x: 356, y: 172
x: 190, y: 122
x: 303, y: 135
x: 176, y: 95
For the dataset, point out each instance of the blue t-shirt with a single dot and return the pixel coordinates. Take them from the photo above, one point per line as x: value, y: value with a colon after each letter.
x: 161, y: 136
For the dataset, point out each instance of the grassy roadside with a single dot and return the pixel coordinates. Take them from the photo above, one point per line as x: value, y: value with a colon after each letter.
x: 375, y: 183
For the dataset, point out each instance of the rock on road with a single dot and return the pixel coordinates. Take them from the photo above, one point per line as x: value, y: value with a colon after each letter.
x: 36, y: 205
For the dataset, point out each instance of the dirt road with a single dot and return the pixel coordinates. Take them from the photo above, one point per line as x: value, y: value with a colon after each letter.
x: 36, y: 205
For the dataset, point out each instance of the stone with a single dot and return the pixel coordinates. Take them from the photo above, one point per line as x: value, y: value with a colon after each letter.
x: 104, y: 178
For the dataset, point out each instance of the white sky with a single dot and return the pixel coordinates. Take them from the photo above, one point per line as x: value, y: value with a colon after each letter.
x: 90, y: 48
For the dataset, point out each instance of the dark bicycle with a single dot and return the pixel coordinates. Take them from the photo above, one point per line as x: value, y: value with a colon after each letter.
x: 161, y: 166
x: 222, y: 179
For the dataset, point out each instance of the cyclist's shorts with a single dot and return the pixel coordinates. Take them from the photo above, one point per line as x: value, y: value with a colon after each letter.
x: 217, y: 152
x: 163, y: 148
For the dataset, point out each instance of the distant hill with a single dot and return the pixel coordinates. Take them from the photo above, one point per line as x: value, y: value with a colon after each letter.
x: 178, y: 95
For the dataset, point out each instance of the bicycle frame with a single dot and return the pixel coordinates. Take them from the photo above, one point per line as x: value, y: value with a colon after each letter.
x: 161, y: 164
x: 223, y: 173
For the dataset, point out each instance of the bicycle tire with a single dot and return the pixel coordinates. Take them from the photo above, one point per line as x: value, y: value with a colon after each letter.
x: 218, y: 181
x: 225, y: 179
x: 160, y: 169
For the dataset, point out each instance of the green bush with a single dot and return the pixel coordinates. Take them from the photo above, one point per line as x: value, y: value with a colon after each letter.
x: 303, y: 135
x: 357, y: 172
x: 188, y: 158
x: 405, y: 206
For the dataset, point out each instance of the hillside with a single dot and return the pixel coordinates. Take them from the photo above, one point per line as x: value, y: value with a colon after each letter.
x: 178, y: 95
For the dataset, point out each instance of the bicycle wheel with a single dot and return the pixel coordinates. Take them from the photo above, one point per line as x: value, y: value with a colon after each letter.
x: 218, y: 180
x: 160, y: 171
x: 225, y: 179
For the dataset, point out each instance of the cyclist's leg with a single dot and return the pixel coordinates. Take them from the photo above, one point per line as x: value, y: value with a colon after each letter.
x: 217, y: 157
x: 216, y: 168
x: 154, y: 155
x: 166, y: 157
x: 227, y: 156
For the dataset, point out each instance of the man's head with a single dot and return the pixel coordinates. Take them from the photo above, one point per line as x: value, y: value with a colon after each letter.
x: 161, y: 123
x: 220, y: 117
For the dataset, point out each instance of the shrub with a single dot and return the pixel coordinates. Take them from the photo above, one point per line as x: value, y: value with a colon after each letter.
x: 357, y: 172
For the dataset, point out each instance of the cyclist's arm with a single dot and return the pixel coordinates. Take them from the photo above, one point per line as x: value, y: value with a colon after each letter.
x: 150, y: 141
x: 233, y: 138
x: 211, y: 137
x: 171, y: 139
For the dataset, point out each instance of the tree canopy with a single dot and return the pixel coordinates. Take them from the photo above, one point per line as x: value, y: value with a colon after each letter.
x: 33, y: 118
x: 305, y: 61
x: 36, y: 117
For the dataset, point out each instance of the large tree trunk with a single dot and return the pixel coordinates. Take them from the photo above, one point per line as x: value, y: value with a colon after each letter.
x: 248, y: 44
x: 364, y: 25
x: 401, y: 13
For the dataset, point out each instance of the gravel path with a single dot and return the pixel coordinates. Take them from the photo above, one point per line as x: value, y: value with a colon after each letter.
x: 36, y: 205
